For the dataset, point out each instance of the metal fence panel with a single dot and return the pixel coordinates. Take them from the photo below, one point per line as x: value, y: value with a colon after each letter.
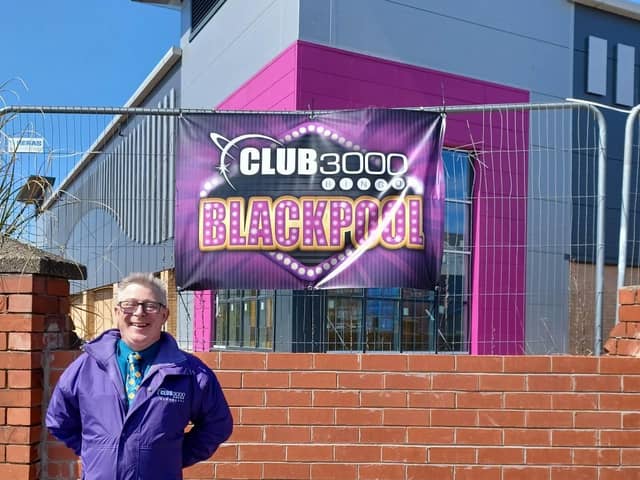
x: 539, y: 201
x: 523, y: 273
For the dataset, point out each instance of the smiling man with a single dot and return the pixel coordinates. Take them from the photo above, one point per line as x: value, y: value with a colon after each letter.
x: 124, y: 404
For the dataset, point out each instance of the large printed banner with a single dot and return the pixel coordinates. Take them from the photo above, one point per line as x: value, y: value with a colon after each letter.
x: 293, y: 201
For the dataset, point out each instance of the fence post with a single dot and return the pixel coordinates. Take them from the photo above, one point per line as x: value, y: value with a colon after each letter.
x: 600, y: 229
x: 626, y: 193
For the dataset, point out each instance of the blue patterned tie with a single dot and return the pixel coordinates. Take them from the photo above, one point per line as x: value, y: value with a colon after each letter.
x: 134, y: 375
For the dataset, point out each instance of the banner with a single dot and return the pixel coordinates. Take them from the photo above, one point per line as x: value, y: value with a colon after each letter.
x: 345, y: 199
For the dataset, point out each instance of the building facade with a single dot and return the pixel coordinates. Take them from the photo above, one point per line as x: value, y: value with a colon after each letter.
x: 280, y: 55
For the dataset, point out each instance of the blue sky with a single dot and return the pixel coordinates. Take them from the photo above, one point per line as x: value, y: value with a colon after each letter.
x: 81, y: 52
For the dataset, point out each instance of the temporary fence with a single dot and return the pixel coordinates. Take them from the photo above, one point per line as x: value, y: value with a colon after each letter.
x: 523, y: 268
x: 538, y: 196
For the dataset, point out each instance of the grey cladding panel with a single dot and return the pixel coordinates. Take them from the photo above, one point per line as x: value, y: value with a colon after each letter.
x: 597, y: 66
x: 625, y: 75
x: 133, y: 180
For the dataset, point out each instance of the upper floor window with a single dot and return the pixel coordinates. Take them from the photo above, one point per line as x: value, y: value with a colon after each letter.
x: 201, y: 12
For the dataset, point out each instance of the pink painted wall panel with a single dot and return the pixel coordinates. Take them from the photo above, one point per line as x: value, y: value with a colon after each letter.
x: 203, y: 314
x: 278, y: 91
x: 371, y: 70
x: 270, y: 86
x: 285, y: 104
x: 308, y: 76
x: 370, y: 73
x: 497, y: 321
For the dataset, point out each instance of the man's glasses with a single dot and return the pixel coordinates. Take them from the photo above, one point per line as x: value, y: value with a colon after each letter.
x: 129, y: 306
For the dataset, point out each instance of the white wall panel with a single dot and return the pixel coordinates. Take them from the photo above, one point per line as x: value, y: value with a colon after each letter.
x: 241, y: 39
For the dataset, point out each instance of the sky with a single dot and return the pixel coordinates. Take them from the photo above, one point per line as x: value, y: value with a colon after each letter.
x: 81, y: 52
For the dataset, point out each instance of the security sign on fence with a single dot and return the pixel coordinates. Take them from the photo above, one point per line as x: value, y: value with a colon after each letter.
x: 25, y: 145
x: 340, y: 199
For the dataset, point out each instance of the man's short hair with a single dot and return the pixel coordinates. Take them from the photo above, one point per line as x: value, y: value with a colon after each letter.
x: 147, y: 280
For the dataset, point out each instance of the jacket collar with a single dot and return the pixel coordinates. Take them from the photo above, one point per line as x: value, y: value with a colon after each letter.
x: 104, y: 347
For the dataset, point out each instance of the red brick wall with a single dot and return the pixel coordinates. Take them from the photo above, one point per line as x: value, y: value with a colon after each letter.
x: 30, y: 306
x: 624, y: 338
x: 59, y: 462
x: 400, y: 416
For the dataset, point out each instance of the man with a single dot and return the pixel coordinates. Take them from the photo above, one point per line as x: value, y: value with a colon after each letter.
x: 124, y: 404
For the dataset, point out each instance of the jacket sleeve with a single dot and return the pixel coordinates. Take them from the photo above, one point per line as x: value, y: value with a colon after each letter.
x: 212, y: 420
x: 63, y: 412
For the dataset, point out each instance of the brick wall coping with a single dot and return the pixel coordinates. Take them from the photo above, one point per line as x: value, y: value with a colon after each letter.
x: 416, y: 362
x: 405, y: 362
x: 20, y: 258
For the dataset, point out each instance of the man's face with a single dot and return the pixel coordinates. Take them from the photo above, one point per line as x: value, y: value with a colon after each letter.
x: 139, y: 329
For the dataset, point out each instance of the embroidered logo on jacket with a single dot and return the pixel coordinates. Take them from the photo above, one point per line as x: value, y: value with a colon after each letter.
x: 171, y: 395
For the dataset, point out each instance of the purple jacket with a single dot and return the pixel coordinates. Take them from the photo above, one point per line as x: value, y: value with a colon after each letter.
x: 88, y: 413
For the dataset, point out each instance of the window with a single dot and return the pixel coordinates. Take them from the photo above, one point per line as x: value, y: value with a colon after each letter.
x: 382, y: 319
x: 362, y: 319
x: 201, y: 12
x: 418, y: 322
x: 265, y: 321
x: 451, y: 300
x: 344, y: 319
x: 245, y: 319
